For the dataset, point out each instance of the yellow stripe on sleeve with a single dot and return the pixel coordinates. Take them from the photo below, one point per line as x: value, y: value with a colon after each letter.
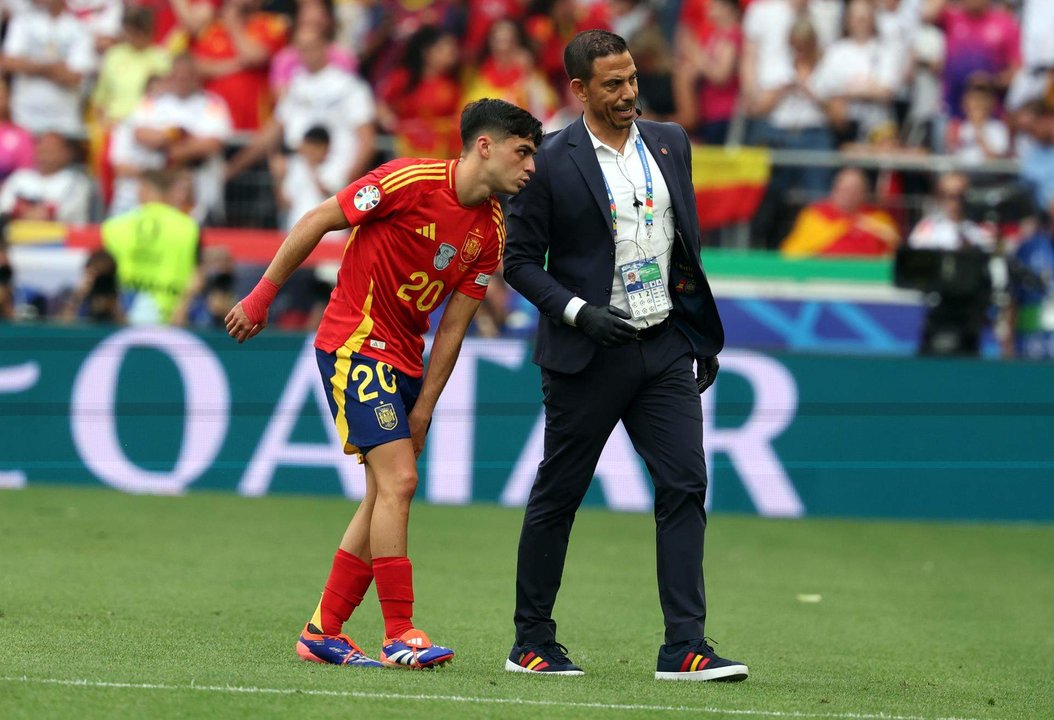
x: 402, y: 173
x: 411, y: 180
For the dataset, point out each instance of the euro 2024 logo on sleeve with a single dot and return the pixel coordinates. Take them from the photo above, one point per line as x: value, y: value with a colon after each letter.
x: 367, y: 198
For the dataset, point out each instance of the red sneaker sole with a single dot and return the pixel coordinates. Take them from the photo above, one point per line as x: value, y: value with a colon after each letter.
x: 306, y: 655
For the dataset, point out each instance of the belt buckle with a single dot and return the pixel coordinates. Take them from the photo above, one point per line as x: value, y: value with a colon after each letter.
x: 652, y: 331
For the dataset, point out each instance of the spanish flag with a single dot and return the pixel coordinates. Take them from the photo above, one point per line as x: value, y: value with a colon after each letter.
x: 823, y: 229
x: 729, y: 183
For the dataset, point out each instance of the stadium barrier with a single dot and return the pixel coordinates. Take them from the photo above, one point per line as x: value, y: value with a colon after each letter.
x: 162, y: 410
x: 843, y: 305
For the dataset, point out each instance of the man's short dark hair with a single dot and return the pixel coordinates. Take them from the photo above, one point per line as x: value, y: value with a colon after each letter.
x: 587, y: 46
x: 161, y: 179
x: 499, y: 117
x: 138, y: 18
x: 317, y: 134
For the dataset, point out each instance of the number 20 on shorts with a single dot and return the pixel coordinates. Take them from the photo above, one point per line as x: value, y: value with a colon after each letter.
x: 364, y: 374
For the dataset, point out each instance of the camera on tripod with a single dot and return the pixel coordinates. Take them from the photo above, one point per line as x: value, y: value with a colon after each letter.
x: 998, y: 204
x: 961, y: 284
x: 969, y: 270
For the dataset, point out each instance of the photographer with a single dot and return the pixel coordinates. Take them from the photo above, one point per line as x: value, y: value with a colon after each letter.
x: 1031, y: 311
x: 95, y: 298
x: 958, y: 291
x: 211, y: 292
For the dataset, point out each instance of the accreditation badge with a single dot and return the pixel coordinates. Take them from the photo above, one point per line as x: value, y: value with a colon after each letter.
x: 644, y: 288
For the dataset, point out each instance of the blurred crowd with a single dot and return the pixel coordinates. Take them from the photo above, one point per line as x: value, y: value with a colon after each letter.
x: 259, y: 109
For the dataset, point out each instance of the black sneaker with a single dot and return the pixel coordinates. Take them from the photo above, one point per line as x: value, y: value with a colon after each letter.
x: 696, y: 660
x: 547, y: 659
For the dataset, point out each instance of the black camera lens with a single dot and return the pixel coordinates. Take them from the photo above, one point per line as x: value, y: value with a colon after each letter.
x: 105, y: 284
x: 221, y: 282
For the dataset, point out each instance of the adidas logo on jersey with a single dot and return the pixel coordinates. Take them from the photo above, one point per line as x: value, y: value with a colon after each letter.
x: 429, y: 231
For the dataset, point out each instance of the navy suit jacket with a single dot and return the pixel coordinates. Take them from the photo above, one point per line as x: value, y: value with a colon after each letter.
x: 560, y: 243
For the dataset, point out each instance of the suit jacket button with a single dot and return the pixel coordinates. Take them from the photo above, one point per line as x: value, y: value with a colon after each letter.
x: 607, y: 290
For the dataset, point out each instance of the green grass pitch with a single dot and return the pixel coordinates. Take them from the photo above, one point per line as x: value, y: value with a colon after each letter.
x: 119, y: 606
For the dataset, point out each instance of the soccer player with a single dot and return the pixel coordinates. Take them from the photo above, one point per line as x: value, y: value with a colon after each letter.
x: 422, y: 231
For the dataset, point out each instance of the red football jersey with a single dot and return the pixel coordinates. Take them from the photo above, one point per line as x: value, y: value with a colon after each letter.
x: 245, y: 91
x: 412, y: 244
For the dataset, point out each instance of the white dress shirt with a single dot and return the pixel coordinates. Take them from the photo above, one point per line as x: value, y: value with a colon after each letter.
x: 625, y: 176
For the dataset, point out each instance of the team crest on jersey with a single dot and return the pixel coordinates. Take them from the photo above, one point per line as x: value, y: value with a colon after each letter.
x: 367, y: 198
x: 473, y: 244
x: 444, y: 254
x: 386, y: 416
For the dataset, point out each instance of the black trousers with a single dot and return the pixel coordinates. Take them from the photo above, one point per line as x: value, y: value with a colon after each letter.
x: 650, y: 386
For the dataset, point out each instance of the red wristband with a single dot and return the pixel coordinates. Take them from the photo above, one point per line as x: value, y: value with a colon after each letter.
x: 256, y: 303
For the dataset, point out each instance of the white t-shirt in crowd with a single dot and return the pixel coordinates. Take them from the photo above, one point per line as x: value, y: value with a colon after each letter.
x: 202, y: 115
x: 767, y: 24
x: 796, y: 110
x: 900, y: 24
x: 37, y: 103
x: 898, y: 28
x: 939, y: 232
x: 968, y: 146
x: 928, y: 47
x: 66, y: 193
x: 1037, y: 51
x: 1037, y: 33
x: 336, y: 100
x: 101, y: 17
x: 301, y: 190
x: 14, y: 7
x: 848, y: 64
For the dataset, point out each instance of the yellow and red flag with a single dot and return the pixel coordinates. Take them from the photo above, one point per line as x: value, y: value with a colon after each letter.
x: 823, y: 229
x: 729, y: 183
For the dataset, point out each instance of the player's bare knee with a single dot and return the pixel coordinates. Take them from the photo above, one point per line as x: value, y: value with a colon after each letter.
x: 398, y: 486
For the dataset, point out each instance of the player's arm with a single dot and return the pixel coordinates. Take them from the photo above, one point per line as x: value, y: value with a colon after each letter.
x: 446, y: 346
x: 249, y: 317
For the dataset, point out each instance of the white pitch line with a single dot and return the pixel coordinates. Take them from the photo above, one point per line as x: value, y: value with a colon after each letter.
x: 468, y: 699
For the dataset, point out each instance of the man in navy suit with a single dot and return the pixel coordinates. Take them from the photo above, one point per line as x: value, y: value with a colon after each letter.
x: 604, y: 240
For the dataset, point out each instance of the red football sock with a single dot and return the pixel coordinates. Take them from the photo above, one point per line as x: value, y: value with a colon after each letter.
x: 395, y: 590
x: 348, y: 581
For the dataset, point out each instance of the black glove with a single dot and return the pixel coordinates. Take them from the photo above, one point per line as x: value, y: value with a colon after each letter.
x: 605, y: 325
x: 706, y: 372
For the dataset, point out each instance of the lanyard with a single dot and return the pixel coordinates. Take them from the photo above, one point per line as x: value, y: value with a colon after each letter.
x: 649, y: 195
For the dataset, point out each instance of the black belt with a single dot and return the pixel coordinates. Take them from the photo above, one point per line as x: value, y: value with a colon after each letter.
x: 654, y: 331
